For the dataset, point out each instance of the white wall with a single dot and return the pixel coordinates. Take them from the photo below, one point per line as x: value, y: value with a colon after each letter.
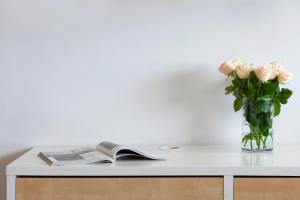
x: 140, y: 72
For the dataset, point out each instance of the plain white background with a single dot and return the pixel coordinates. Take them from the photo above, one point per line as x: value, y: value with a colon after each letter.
x: 135, y: 72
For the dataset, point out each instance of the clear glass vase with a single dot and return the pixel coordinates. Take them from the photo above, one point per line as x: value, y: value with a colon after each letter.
x: 257, y: 125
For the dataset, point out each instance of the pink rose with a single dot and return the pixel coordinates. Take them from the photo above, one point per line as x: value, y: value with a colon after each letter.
x: 284, y: 76
x: 265, y: 73
x: 229, y: 66
x: 243, y: 71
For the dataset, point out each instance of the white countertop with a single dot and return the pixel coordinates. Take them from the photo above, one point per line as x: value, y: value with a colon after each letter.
x: 187, y: 161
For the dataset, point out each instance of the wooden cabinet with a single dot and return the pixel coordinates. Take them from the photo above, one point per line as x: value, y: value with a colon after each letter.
x: 271, y: 188
x: 154, y: 188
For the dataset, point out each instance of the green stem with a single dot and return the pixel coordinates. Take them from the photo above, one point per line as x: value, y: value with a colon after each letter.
x: 264, y: 142
x: 258, y: 91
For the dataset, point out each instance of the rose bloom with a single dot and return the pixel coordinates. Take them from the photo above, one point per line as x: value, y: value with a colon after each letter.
x: 284, y: 76
x: 243, y: 71
x: 229, y: 66
x: 265, y: 73
x: 276, y: 67
x: 281, y: 73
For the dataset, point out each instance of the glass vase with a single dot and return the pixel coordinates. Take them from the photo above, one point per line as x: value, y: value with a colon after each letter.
x: 257, y: 133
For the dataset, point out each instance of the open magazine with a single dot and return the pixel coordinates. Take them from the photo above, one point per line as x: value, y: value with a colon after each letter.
x: 105, y: 152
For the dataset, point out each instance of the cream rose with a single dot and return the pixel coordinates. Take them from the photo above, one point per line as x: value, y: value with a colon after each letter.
x: 276, y: 67
x: 265, y: 73
x: 243, y: 71
x: 281, y: 73
x: 229, y: 66
x: 284, y: 76
x: 277, y: 64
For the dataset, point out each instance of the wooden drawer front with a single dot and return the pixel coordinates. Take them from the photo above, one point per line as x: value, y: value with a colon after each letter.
x: 267, y: 188
x: 206, y: 188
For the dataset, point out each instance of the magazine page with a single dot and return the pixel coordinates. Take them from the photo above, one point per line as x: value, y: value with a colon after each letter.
x: 85, y: 155
x: 109, y: 148
x: 133, y: 152
x: 116, y: 151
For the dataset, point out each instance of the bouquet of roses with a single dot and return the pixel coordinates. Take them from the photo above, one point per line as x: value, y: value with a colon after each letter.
x: 259, y: 90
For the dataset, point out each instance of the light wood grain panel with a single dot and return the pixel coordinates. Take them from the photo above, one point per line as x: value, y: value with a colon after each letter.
x: 267, y: 188
x: 204, y: 188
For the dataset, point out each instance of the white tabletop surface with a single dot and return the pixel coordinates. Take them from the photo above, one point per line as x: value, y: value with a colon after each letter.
x: 186, y: 161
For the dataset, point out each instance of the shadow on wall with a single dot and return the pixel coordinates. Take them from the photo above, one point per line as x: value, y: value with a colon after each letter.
x: 4, y: 161
x: 199, y: 92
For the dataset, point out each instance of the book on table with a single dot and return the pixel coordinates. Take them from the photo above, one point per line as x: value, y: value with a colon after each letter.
x: 105, y: 152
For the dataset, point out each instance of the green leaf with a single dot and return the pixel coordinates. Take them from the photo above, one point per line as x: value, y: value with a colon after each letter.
x: 250, y: 85
x: 277, y: 107
x: 250, y: 92
x: 238, y: 103
x: 284, y: 95
x: 237, y: 93
x: 252, y: 78
x: 277, y: 82
x: 235, y: 82
x: 229, y: 89
x: 269, y: 88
